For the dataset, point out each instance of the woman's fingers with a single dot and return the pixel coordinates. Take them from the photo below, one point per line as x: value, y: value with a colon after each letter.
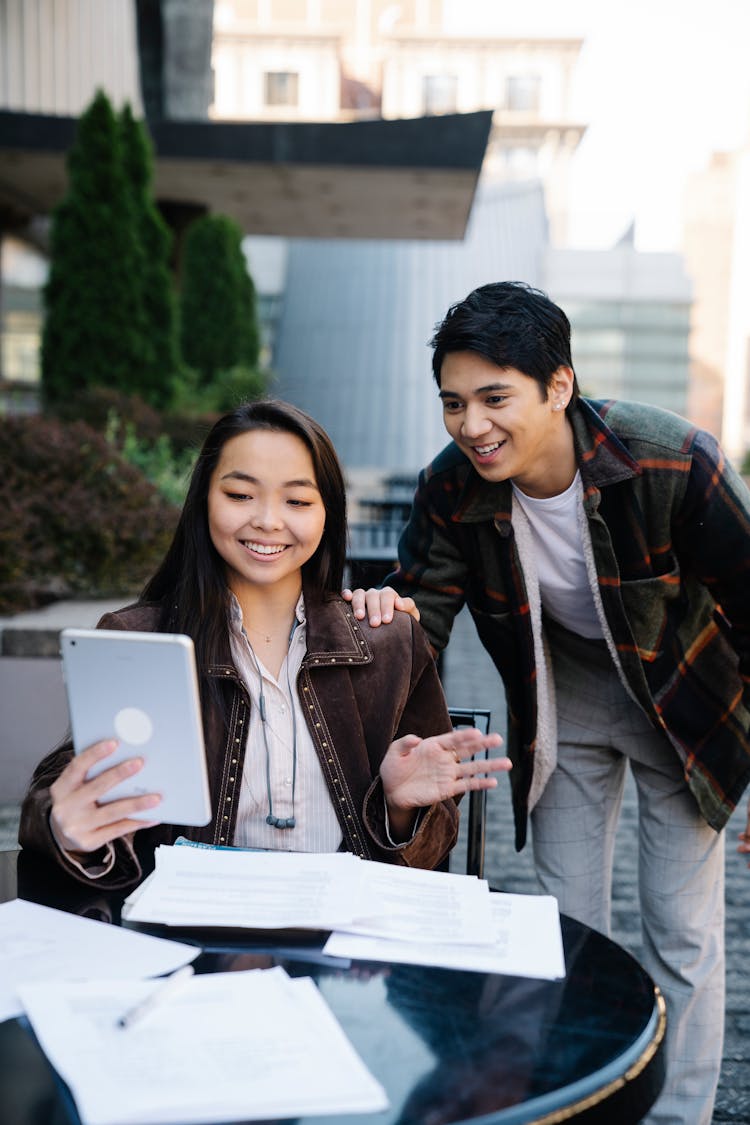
x: 77, y: 768
x: 87, y: 827
x: 468, y: 741
x: 81, y: 818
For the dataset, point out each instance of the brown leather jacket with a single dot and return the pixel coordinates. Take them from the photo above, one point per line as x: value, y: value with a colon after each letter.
x: 361, y: 689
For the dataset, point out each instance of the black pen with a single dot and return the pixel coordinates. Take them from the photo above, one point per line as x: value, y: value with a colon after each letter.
x: 164, y: 989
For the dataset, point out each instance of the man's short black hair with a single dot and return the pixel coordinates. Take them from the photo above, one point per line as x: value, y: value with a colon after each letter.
x: 510, y: 324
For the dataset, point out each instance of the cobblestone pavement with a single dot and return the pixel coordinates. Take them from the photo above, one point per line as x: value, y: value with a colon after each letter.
x: 471, y: 681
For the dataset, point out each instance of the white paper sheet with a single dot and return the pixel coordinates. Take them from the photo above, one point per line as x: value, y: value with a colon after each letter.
x: 39, y: 943
x: 274, y: 890
x: 410, y: 904
x: 527, y: 943
x: 262, y: 890
x: 228, y: 1047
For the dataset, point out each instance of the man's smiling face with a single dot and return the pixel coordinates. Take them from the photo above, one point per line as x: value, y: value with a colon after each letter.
x: 500, y: 418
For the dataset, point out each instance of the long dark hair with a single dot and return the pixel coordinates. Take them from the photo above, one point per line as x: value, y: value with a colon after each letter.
x: 191, y: 582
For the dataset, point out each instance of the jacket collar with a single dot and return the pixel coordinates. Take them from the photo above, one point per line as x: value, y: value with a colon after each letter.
x: 334, y: 636
x: 601, y: 457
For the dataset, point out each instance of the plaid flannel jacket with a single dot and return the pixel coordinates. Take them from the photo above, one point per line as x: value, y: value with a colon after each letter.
x: 669, y: 521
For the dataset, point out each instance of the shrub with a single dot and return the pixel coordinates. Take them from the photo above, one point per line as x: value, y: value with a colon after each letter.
x: 226, y: 390
x: 185, y: 428
x: 75, y: 518
x: 95, y: 406
x: 218, y: 318
x: 167, y: 471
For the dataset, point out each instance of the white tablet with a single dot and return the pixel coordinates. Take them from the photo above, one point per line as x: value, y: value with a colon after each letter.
x: 142, y: 689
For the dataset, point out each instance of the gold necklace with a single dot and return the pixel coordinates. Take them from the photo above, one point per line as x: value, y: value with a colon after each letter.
x: 266, y: 636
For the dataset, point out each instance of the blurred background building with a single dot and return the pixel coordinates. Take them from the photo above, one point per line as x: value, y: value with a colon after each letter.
x: 346, y: 319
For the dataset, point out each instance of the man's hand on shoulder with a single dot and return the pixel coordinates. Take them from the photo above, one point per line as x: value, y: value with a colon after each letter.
x: 378, y: 605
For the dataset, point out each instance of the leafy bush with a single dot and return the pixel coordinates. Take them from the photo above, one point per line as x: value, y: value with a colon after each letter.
x: 167, y: 471
x: 226, y: 390
x: 185, y: 428
x: 75, y: 518
x: 96, y: 405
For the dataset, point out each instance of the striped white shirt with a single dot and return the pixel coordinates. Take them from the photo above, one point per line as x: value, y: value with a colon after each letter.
x: 317, y: 828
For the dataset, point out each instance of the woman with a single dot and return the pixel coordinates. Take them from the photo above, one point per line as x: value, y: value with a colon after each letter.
x: 320, y: 733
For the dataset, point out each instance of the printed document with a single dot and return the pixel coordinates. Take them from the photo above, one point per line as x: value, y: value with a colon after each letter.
x: 411, y: 904
x: 329, y: 891
x: 262, y: 890
x: 231, y: 1046
x: 38, y: 943
x: 527, y: 942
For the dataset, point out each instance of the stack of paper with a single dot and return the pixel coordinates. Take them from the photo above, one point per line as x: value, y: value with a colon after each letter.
x: 330, y: 891
x: 377, y: 911
x: 526, y: 942
x: 228, y: 1047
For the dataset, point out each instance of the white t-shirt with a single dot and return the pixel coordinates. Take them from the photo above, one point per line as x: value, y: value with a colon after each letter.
x: 561, y: 567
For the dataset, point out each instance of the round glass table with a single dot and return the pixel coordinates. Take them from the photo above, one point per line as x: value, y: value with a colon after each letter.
x: 449, y: 1047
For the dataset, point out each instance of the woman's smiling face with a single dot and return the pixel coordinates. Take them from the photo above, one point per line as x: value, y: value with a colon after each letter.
x: 265, y: 514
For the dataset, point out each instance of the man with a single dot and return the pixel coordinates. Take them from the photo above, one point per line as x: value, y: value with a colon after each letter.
x: 603, y: 549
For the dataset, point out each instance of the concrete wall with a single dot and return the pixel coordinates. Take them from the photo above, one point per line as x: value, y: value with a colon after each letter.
x: 34, y: 719
x: 33, y: 707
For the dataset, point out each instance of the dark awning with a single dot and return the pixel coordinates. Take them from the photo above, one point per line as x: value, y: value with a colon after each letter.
x: 364, y: 179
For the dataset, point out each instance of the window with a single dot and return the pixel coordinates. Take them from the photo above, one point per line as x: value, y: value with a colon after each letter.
x: 522, y: 93
x: 21, y: 338
x: 281, y: 87
x: 439, y: 93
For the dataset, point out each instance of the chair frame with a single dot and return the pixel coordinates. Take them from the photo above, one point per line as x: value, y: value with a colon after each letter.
x: 474, y: 717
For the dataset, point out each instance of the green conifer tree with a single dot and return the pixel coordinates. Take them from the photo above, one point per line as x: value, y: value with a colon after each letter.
x: 218, y: 319
x: 154, y: 381
x: 94, y: 331
x: 249, y: 342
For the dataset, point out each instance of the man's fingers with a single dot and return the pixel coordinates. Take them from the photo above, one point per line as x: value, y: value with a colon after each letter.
x: 407, y: 605
x: 377, y: 605
x: 380, y: 605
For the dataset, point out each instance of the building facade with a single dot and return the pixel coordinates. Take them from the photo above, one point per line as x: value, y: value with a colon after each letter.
x: 630, y: 319
x: 716, y: 242
x: 324, y: 60
x: 357, y: 317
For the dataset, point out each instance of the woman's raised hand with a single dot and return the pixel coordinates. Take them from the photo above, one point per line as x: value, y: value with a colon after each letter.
x: 80, y: 822
x: 417, y: 772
